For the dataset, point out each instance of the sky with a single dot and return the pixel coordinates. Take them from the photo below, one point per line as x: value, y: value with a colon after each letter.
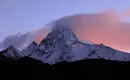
x: 27, y: 15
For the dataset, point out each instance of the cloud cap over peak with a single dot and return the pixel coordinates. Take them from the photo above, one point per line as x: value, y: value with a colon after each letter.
x: 105, y: 27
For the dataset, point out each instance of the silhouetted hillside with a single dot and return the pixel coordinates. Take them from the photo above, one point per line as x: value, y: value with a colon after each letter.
x: 5, y: 61
x: 82, y: 70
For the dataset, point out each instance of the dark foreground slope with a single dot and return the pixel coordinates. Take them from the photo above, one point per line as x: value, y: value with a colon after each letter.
x: 28, y: 68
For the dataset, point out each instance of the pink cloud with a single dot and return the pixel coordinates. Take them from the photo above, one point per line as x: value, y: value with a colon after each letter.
x: 126, y: 13
x: 104, y: 27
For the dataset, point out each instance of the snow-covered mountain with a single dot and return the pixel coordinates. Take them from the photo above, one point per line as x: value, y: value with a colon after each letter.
x: 62, y: 44
x: 22, y: 40
x: 31, y: 48
x: 12, y: 52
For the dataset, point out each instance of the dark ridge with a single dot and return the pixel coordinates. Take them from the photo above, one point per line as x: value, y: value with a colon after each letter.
x: 27, y: 60
x: 34, y: 43
x: 5, y: 61
x: 29, y: 68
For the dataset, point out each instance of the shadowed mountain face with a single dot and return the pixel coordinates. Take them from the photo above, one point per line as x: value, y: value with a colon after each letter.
x: 5, y: 61
x: 28, y: 68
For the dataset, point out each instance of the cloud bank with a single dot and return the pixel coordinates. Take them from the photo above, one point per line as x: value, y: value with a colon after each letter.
x: 105, y: 27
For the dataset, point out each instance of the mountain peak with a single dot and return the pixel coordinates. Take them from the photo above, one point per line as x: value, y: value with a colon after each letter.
x: 29, y: 49
x: 12, y: 52
x: 34, y: 43
x: 61, y: 33
x: 11, y: 47
x: 62, y: 45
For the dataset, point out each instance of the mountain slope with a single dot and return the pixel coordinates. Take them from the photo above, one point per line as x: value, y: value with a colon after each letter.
x: 62, y: 45
x: 12, y: 52
x: 29, y: 49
